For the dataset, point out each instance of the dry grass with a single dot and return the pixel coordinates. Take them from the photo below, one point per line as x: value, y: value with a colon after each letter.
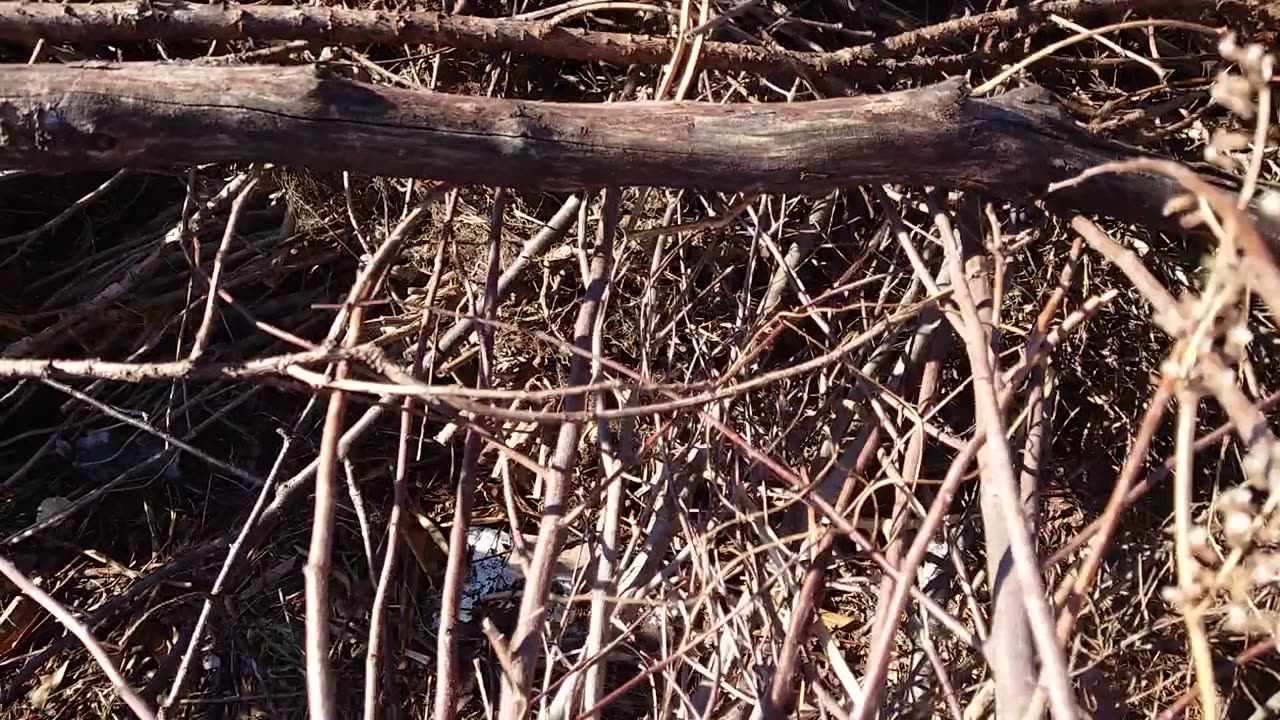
x: 713, y: 549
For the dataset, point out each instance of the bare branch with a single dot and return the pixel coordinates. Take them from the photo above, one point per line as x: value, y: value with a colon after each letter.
x: 234, y: 553
x: 528, y: 635
x: 464, y: 497
x: 17, y: 368
x: 28, y: 588
x: 999, y: 473
x: 174, y: 20
x: 219, y: 259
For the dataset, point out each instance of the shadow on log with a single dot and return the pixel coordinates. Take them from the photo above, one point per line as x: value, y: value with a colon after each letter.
x: 102, y: 115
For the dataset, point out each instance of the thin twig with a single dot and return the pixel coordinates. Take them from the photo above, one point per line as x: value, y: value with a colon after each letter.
x: 136, y: 274
x: 140, y: 372
x: 606, y: 581
x: 374, y: 652
x: 219, y: 584
x: 1149, y: 483
x: 1051, y: 48
x: 28, y: 588
x: 1110, y: 519
x: 807, y: 600
x: 1187, y: 565
x: 529, y: 628
x: 28, y: 237
x: 446, y: 696
x: 1026, y: 566
x: 178, y: 443
x: 904, y: 583
x: 215, y: 276
x: 320, y: 684
x: 357, y: 506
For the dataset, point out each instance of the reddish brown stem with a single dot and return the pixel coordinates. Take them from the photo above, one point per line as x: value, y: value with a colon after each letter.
x: 526, y: 642
x: 464, y: 498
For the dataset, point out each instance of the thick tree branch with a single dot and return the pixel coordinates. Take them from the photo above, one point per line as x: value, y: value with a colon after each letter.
x: 102, y: 115
x: 175, y: 20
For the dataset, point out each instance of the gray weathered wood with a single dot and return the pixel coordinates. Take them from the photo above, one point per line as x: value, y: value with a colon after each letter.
x: 181, y: 21
x: 102, y: 115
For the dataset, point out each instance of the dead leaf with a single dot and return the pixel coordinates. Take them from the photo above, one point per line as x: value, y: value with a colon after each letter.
x: 49, y: 684
x: 834, y: 620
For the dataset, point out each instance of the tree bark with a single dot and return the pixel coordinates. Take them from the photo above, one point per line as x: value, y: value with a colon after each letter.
x: 180, y: 21
x: 103, y: 115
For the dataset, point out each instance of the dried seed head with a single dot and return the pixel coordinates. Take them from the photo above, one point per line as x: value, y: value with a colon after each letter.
x: 1237, y: 341
x: 1200, y: 546
x: 1251, y: 60
x: 1269, y: 203
x: 1238, y: 619
x: 1237, y: 528
x: 1238, y: 498
x: 1241, y: 335
x: 1246, y: 619
x: 1261, y: 467
x: 1228, y: 46
x: 1235, y: 93
x: 1265, y: 534
x: 1265, y: 570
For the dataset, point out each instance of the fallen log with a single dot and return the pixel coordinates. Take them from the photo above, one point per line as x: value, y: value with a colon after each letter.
x: 180, y: 21
x: 144, y: 115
